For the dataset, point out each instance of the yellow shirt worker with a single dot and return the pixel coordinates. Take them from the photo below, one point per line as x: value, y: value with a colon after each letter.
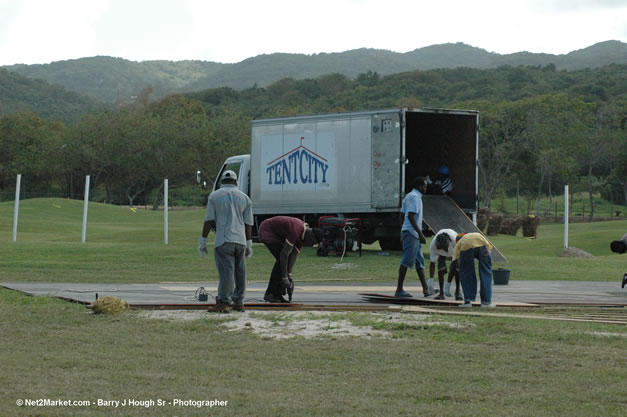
x: 469, y: 247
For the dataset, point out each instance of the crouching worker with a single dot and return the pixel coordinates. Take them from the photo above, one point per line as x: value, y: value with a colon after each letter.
x: 471, y: 246
x: 620, y: 246
x: 229, y: 213
x: 284, y: 237
x: 442, y: 247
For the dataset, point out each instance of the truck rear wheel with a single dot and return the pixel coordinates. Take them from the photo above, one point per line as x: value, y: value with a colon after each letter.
x: 390, y: 244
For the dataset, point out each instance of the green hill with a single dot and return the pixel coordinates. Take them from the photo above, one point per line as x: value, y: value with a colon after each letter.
x: 119, y: 80
x: 20, y: 93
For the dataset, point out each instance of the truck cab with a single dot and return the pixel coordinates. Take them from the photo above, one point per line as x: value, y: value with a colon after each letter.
x: 239, y: 164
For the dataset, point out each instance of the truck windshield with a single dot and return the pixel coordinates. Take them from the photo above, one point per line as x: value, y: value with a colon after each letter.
x: 233, y: 166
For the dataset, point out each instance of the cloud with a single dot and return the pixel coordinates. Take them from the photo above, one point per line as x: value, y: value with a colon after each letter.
x: 144, y: 30
x: 38, y: 31
x: 42, y: 31
x: 577, y: 5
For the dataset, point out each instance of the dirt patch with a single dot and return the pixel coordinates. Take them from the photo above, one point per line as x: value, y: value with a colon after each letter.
x: 572, y: 252
x: 343, y: 266
x: 607, y: 334
x: 309, y: 324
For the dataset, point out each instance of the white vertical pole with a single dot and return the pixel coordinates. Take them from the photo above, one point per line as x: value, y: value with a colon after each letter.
x: 17, y: 205
x: 566, y: 217
x: 85, y: 209
x: 165, y: 210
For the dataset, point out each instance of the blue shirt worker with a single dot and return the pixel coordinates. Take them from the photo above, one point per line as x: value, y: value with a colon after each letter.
x: 412, y: 237
x: 471, y: 246
x: 230, y: 214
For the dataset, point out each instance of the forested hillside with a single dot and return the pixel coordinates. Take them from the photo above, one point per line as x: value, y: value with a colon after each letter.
x: 435, y: 88
x: 116, y: 80
x: 19, y: 93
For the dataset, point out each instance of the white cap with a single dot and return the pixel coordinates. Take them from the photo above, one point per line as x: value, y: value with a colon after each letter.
x: 229, y: 175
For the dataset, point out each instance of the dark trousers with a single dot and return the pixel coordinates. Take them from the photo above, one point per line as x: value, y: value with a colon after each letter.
x: 274, y: 286
x: 468, y: 276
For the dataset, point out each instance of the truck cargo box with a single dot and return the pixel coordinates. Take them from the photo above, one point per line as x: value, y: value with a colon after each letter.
x: 361, y: 165
x: 360, y: 162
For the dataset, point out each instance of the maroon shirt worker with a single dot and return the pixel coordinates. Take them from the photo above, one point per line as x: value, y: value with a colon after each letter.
x: 285, y: 237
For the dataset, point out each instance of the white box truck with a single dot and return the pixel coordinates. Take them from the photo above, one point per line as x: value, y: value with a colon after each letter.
x: 360, y: 164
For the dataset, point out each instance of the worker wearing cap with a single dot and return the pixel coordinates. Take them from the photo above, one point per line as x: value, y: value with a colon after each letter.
x: 285, y: 237
x: 229, y: 213
x: 471, y: 246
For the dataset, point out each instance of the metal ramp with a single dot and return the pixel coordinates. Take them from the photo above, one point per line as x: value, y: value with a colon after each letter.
x: 441, y: 212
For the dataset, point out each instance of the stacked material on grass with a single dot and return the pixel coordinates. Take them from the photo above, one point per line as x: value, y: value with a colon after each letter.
x: 530, y: 226
x: 572, y: 252
x: 510, y: 225
x: 109, y: 305
x: 494, y: 224
x: 482, y: 218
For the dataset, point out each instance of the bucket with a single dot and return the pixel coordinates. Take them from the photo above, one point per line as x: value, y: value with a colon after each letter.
x: 501, y: 276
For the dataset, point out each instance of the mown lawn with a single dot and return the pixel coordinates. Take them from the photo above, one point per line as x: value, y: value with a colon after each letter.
x: 482, y: 366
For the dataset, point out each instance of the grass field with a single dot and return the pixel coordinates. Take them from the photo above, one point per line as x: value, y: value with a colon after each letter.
x: 128, y: 246
x: 446, y: 366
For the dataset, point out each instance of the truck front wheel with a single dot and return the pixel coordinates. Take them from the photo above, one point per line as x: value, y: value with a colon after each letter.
x: 390, y: 244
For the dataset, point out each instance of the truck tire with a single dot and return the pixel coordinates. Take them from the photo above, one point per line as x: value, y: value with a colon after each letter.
x: 390, y: 244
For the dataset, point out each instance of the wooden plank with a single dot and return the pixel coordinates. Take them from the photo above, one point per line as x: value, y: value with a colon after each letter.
x: 469, y: 312
x: 205, y: 306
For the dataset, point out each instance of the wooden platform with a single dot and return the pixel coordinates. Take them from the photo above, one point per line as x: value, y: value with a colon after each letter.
x: 425, y: 301
x: 333, y: 293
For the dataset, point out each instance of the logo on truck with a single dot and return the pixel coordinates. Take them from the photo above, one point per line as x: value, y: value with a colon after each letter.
x: 301, y: 168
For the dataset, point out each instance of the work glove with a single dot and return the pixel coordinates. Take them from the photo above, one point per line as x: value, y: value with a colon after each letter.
x: 202, y: 247
x: 285, y: 282
x: 290, y: 289
x: 249, y: 248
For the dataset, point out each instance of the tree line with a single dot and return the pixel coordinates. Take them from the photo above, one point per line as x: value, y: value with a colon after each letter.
x: 127, y: 152
x: 540, y: 129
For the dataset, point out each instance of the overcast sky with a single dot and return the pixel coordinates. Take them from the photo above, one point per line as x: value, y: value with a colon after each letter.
x: 42, y: 31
